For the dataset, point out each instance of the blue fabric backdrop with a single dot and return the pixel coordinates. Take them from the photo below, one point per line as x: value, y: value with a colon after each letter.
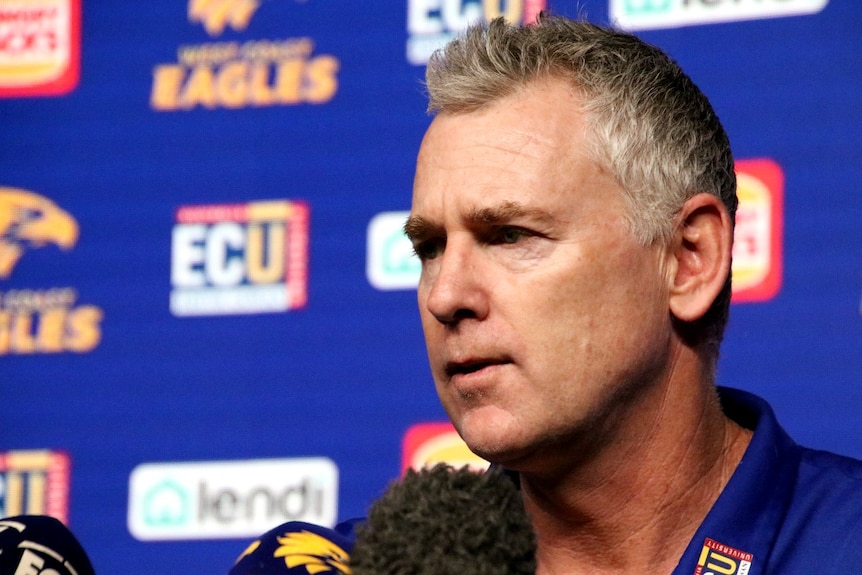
x: 230, y: 156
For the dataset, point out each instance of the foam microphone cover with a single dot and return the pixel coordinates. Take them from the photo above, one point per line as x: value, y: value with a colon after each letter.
x: 40, y: 545
x: 297, y: 548
x: 446, y: 521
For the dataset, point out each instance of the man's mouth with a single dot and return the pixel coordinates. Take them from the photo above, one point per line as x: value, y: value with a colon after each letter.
x: 454, y: 368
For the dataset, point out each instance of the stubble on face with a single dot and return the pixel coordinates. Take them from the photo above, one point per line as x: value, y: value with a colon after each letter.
x: 535, y: 299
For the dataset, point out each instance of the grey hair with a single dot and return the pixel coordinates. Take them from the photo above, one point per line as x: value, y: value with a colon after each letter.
x: 650, y: 124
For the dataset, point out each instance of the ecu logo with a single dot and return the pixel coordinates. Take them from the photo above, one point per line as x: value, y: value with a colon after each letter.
x: 719, y: 559
x: 28, y: 220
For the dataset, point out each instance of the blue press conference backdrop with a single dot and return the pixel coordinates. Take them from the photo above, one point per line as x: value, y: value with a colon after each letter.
x: 191, y: 279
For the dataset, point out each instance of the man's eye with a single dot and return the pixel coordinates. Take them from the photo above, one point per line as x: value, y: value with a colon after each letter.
x: 511, y: 235
x: 428, y: 249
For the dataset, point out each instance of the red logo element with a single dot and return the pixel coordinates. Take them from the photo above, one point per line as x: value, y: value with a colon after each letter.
x: 757, y: 253
x: 716, y: 557
x: 426, y: 444
x: 40, y: 47
x: 34, y: 482
x: 532, y: 9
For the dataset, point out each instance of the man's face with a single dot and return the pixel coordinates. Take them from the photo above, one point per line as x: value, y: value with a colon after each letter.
x: 543, y: 318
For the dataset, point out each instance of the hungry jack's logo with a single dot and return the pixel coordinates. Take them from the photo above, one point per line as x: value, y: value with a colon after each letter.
x: 718, y: 559
x: 40, y: 320
x: 240, y: 74
x: 757, y: 253
x: 427, y: 444
x: 39, y: 47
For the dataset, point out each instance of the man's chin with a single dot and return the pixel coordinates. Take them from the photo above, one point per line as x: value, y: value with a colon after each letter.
x: 492, y: 433
x: 498, y: 449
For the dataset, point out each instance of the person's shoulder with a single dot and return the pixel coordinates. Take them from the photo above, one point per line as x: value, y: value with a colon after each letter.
x: 823, y: 474
x: 829, y: 486
x: 824, y: 519
x: 832, y: 465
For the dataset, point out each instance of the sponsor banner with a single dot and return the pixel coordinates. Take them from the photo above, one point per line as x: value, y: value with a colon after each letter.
x: 39, y: 47
x: 34, y: 482
x: 427, y: 444
x: 718, y: 558
x: 229, y: 499
x: 757, y: 239
x: 650, y: 14
x: 253, y: 72
x: 239, y: 258
x: 390, y: 261
x: 34, y: 321
x: 432, y: 23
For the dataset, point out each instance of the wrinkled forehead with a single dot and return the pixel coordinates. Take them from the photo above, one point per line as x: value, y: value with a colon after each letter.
x: 515, y: 160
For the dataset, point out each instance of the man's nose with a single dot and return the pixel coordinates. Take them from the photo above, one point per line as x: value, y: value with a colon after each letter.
x: 458, y: 289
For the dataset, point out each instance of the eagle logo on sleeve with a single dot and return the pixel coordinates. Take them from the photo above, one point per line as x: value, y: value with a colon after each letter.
x: 28, y: 220
x: 317, y: 554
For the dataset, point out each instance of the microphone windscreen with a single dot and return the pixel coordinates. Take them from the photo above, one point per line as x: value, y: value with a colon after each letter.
x: 297, y: 548
x: 446, y: 521
x: 40, y: 544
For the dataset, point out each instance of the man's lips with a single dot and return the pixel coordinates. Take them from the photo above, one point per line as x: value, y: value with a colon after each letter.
x: 466, y: 367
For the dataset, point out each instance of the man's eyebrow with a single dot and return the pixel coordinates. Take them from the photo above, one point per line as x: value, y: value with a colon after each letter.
x: 417, y: 227
x: 506, y: 212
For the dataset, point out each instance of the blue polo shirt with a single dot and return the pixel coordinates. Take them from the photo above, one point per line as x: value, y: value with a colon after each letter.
x: 787, y: 510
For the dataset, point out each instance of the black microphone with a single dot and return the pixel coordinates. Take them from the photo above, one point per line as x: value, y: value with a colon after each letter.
x: 40, y: 545
x: 446, y: 521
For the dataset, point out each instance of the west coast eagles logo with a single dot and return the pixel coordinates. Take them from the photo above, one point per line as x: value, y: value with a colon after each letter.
x: 215, y: 15
x: 307, y: 552
x: 242, y: 72
x: 316, y: 553
x: 28, y: 221
x: 40, y: 320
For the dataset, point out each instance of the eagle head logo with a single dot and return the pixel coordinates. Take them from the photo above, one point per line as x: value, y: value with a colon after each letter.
x: 316, y: 553
x: 216, y: 15
x: 28, y: 220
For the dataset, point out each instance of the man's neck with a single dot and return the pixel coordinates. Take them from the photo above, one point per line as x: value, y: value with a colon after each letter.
x: 635, y: 507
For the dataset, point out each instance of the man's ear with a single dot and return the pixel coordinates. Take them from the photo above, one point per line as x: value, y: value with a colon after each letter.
x: 699, y: 256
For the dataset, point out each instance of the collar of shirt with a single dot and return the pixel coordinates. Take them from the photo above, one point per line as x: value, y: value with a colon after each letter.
x: 738, y: 533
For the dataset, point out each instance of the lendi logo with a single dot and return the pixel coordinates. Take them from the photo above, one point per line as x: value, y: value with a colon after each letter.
x: 646, y: 14
x: 223, y: 499
x: 390, y: 261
